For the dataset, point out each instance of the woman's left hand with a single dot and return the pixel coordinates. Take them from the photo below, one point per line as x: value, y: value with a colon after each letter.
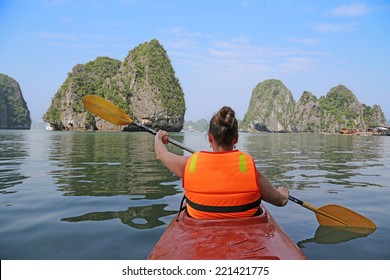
x: 162, y: 135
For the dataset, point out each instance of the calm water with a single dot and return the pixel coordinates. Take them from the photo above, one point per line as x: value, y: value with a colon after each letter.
x: 66, y: 195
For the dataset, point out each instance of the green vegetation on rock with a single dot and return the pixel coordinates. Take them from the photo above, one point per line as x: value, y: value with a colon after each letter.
x: 90, y: 78
x: 340, y: 109
x: 14, y: 113
x: 153, y: 70
x: 272, y: 108
x: 144, y: 85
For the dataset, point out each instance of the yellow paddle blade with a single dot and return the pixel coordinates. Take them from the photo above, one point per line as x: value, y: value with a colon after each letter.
x: 106, y: 110
x: 336, y: 215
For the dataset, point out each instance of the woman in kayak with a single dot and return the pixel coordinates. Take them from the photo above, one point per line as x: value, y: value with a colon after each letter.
x: 224, y: 183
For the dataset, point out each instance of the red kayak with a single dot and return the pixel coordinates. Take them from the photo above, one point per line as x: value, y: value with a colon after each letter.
x: 258, y: 237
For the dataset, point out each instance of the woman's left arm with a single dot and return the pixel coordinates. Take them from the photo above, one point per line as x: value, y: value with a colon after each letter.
x: 276, y: 196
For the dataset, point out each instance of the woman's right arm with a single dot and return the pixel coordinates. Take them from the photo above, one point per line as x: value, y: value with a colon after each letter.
x: 173, y: 162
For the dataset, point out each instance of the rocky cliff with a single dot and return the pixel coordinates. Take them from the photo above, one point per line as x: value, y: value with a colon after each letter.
x: 272, y: 108
x: 144, y: 85
x: 14, y: 113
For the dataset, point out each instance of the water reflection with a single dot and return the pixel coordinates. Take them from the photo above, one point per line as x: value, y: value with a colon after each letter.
x: 106, y: 177
x: 13, y: 153
x: 310, y: 160
x: 111, y: 164
x: 335, y: 235
x: 108, y: 164
x: 142, y: 217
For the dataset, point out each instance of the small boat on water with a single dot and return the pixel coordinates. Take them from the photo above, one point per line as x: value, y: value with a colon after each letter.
x: 258, y: 237
x: 383, y: 130
x: 347, y: 131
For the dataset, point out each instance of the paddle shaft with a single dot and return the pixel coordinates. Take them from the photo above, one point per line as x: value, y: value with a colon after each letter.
x: 115, y: 115
x: 170, y: 140
x: 316, y: 210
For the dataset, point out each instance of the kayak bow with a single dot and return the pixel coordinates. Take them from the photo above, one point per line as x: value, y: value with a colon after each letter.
x: 258, y: 237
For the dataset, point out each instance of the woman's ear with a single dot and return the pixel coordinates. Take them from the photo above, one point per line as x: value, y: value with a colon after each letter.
x: 235, y: 140
x: 210, y: 137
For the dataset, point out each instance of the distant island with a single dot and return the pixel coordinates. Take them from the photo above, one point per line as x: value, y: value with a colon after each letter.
x: 272, y: 108
x: 14, y: 113
x: 199, y: 125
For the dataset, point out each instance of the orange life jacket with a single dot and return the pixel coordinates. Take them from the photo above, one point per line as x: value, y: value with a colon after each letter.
x: 221, y: 185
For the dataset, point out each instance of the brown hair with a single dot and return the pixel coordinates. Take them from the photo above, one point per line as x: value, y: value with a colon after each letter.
x: 224, y: 126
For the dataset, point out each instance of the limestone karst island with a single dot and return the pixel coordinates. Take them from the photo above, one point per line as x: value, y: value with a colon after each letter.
x: 14, y: 113
x: 144, y: 85
x: 272, y: 108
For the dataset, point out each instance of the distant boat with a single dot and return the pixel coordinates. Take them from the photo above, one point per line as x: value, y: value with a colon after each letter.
x: 348, y: 131
x: 383, y: 130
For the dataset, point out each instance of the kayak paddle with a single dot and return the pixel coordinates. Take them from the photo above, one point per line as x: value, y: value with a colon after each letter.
x: 328, y: 215
x: 115, y: 115
x: 336, y: 215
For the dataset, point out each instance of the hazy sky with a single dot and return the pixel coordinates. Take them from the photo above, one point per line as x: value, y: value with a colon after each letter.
x: 220, y: 50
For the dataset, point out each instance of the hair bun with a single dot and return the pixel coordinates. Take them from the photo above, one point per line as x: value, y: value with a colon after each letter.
x: 226, y: 116
x: 224, y: 126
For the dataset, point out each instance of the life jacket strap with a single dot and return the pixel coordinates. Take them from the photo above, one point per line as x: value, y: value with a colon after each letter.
x: 181, y: 207
x: 224, y: 209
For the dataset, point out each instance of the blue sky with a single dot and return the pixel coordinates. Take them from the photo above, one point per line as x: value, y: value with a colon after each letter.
x: 220, y: 50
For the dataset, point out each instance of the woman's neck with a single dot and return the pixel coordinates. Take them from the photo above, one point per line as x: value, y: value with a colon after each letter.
x: 217, y: 148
